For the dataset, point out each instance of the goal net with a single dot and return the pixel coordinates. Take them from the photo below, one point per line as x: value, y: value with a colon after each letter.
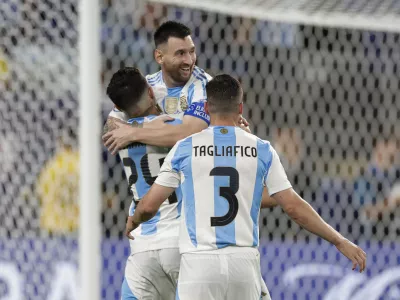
x: 321, y: 82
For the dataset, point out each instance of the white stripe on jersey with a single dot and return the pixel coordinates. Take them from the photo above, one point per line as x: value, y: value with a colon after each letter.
x: 163, y: 230
x: 204, y: 192
x: 246, y: 167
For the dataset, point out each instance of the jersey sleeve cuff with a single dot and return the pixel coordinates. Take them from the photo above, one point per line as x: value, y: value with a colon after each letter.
x: 279, y: 188
x: 170, y: 180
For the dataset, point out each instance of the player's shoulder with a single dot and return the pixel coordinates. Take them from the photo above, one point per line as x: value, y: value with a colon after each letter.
x: 141, y: 120
x: 177, y: 119
x: 118, y: 114
x: 200, y: 76
x: 261, y: 143
x: 187, y: 141
x: 155, y: 78
x: 151, y: 118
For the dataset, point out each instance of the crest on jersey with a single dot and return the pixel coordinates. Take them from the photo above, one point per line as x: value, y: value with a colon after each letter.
x: 183, y: 102
x: 171, y: 104
x: 224, y: 130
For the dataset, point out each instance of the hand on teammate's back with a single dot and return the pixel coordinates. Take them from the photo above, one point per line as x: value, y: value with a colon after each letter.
x: 243, y: 124
x: 111, y: 124
x: 353, y: 252
x: 130, y: 226
x: 118, y: 138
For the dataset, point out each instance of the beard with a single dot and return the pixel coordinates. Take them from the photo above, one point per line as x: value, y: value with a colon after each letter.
x: 180, y: 74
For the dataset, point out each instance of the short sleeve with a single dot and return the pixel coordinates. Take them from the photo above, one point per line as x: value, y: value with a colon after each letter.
x: 276, y: 179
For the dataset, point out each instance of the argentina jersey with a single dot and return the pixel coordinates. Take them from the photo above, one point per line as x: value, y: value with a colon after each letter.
x: 141, y: 165
x: 222, y: 171
x: 185, y: 100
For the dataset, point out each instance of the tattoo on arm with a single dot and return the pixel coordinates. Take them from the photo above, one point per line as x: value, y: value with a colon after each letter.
x: 111, y: 124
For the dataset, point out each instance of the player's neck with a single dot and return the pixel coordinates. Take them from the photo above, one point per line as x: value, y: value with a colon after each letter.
x: 169, y: 82
x: 224, y: 120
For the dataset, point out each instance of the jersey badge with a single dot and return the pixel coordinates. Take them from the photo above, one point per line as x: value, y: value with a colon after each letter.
x: 183, y: 102
x: 171, y: 104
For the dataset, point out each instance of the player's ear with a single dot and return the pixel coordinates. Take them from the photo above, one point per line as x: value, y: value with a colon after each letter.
x: 158, y: 56
x: 206, y: 108
x: 241, y: 108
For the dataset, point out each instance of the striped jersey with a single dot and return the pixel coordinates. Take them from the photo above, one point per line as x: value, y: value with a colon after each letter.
x: 141, y: 165
x: 184, y: 100
x: 222, y: 171
x: 176, y: 102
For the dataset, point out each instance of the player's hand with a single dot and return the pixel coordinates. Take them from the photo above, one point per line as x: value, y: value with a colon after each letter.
x: 119, y: 138
x: 243, y: 121
x: 245, y: 128
x: 353, y: 252
x: 130, y: 226
x: 111, y: 124
x: 158, y: 122
x: 243, y: 124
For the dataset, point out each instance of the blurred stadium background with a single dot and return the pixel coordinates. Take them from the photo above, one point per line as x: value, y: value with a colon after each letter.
x: 321, y: 82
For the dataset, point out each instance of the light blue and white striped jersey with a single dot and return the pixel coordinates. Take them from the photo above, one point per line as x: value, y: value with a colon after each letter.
x: 222, y: 171
x: 185, y: 100
x: 179, y: 101
x: 141, y: 165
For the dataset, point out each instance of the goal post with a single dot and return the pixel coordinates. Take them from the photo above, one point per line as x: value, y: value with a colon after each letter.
x: 90, y: 159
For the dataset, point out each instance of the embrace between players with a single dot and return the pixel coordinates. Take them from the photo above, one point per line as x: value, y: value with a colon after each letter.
x: 195, y: 207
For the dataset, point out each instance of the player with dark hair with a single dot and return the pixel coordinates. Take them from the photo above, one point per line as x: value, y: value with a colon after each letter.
x: 152, y: 268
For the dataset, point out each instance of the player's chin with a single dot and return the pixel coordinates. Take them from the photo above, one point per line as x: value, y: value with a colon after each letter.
x: 185, y: 74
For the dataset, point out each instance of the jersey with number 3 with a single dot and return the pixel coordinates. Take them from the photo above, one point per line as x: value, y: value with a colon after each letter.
x: 222, y: 172
x: 141, y: 165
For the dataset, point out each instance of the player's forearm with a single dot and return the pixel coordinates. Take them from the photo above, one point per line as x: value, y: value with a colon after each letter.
x: 151, y: 202
x: 304, y: 215
x: 143, y: 213
x: 167, y: 136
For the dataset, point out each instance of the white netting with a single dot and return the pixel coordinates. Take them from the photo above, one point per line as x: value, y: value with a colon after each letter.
x: 362, y: 14
x: 326, y: 97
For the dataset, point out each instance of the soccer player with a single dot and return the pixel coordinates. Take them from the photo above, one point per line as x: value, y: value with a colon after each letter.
x: 222, y: 171
x: 179, y: 89
x: 152, y: 268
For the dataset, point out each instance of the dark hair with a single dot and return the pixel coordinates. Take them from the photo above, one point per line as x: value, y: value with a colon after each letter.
x: 224, y: 93
x: 170, y: 29
x: 126, y: 87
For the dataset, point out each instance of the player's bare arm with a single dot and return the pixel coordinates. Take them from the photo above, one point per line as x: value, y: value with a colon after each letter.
x: 267, y: 201
x: 164, y: 136
x: 148, y: 207
x: 304, y: 215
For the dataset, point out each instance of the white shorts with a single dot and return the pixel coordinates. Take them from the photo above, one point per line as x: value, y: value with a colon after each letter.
x: 151, y: 275
x: 265, y: 295
x: 220, y: 276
